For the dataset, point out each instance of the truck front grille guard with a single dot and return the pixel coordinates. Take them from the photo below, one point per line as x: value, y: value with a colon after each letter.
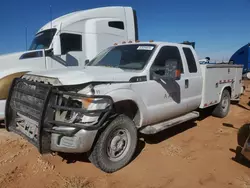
x: 37, y: 101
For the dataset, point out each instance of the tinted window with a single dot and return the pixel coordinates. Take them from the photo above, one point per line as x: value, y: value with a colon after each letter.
x: 190, y: 60
x: 167, y: 53
x: 42, y: 40
x: 70, y: 42
x: 116, y: 24
x: 32, y: 55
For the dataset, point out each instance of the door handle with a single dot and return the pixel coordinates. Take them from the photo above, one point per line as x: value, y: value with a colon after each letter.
x: 186, y: 83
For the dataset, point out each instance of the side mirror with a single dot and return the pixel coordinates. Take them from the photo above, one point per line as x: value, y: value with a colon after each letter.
x: 171, y: 71
x: 86, y: 61
x: 57, y: 46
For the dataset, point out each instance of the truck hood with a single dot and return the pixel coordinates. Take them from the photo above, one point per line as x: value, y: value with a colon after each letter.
x: 75, y: 76
x: 11, y: 63
x: 10, y: 60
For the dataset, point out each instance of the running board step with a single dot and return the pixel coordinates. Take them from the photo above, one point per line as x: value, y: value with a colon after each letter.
x: 152, y: 129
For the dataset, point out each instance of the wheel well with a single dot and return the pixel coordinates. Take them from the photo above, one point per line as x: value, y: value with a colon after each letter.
x: 6, y: 82
x: 128, y: 108
x: 229, y: 90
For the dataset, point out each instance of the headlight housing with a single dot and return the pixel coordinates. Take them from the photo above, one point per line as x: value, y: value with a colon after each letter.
x: 86, y: 108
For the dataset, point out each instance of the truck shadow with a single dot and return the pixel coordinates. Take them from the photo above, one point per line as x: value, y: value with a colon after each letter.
x: 241, y: 106
x: 168, y: 133
x: 83, y: 157
x: 178, y: 129
x: 239, y: 158
x: 72, y: 158
x: 143, y: 139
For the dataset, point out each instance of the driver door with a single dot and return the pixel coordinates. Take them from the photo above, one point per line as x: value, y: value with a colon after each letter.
x: 165, y: 99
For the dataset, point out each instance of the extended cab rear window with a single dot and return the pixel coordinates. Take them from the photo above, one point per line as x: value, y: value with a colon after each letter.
x: 190, y: 60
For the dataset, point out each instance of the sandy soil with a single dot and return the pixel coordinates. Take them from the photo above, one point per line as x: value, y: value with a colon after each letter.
x: 194, y: 154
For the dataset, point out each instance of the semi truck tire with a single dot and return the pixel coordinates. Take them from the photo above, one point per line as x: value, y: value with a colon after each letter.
x: 222, y: 109
x: 115, y: 145
x: 243, y: 134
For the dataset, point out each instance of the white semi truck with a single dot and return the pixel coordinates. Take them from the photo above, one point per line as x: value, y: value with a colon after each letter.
x: 68, y: 41
x: 99, y: 108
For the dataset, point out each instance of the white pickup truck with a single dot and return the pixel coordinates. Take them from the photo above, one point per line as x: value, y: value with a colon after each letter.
x: 131, y: 87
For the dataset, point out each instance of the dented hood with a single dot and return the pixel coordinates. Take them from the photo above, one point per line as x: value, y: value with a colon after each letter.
x: 80, y: 75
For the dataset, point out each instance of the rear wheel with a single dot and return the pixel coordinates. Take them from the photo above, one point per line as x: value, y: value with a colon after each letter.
x: 243, y: 134
x: 222, y: 109
x: 116, y: 145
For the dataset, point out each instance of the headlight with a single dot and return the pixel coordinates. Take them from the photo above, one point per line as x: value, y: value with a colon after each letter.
x: 86, y: 103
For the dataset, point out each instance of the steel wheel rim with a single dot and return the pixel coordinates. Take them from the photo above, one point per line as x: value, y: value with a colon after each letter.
x: 118, y: 145
x: 225, y: 103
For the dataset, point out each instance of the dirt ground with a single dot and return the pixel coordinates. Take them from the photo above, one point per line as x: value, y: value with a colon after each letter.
x: 194, y: 154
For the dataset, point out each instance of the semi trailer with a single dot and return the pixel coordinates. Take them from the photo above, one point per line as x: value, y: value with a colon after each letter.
x: 242, y: 57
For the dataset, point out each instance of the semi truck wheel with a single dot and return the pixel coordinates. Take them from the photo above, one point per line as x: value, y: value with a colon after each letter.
x: 222, y: 109
x: 116, y: 145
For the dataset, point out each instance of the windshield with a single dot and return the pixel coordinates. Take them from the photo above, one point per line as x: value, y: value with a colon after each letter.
x: 133, y: 56
x: 42, y: 40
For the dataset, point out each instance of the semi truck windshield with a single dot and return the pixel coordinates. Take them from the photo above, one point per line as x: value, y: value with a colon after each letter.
x: 42, y: 40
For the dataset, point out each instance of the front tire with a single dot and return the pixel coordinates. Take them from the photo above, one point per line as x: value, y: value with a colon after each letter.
x: 116, y: 145
x: 222, y: 109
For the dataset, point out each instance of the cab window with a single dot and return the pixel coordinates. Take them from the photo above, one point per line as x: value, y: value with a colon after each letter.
x: 167, y: 53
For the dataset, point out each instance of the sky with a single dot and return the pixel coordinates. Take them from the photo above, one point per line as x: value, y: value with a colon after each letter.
x: 219, y: 27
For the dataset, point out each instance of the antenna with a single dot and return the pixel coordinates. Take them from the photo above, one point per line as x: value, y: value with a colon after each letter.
x: 26, y: 38
x: 50, y: 11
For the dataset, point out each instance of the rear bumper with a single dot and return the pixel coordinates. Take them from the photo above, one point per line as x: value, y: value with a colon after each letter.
x: 30, y: 112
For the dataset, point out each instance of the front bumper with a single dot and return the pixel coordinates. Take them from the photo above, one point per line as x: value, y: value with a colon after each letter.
x: 30, y: 112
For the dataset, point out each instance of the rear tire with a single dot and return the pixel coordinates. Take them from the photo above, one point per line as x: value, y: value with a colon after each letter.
x: 243, y: 134
x: 222, y: 109
x: 116, y: 145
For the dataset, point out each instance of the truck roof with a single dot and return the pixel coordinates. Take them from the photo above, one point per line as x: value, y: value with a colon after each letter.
x: 72, y: 17
x: 157, y: 43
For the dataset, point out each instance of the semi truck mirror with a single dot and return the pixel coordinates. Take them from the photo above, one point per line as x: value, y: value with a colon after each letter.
x: 86, y: 61
x: 57, y: 46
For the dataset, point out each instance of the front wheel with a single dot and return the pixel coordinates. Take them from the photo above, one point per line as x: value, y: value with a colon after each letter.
x: 116, y: 145
x: 222, y: 109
